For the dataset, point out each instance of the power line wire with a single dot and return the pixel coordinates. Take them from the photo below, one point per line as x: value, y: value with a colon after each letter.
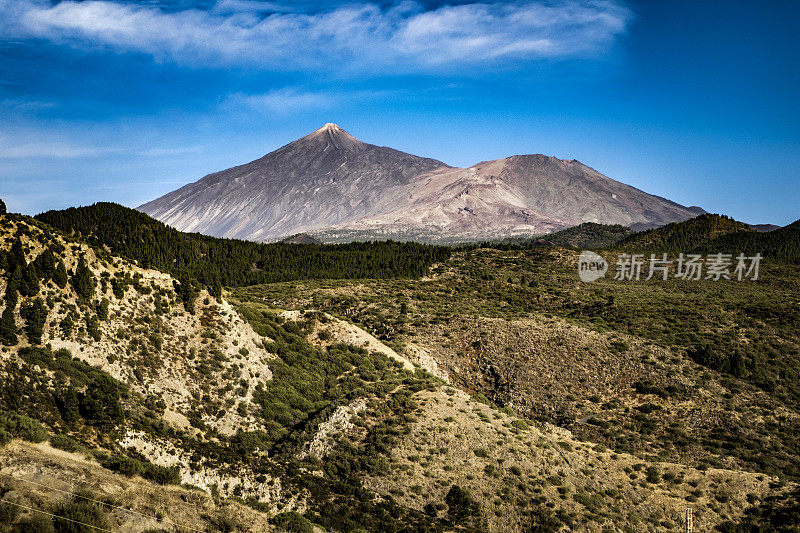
x: 75, y: 494
x: 58, y: 516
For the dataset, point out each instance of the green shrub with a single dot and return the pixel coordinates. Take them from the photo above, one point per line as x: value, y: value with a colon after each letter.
x: 8, y: 513
x: 22, y: 427
x: 461, y: 506
x: 123, y: 465
x: 647, y: 387
x: 129, y: 467
x: 63, y: 442
x: 653, y: 474
x: 101, y: 403
x: 648, y: 408
x: 520, y: 424
x: 163, y: 475
x: 35, y: 523
x: 73, y: 515
x: 32, y: 355
x: 593, y: 502
x: 293, y: 523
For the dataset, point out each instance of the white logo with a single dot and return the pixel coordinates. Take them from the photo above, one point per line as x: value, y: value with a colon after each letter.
x: 591, y: 266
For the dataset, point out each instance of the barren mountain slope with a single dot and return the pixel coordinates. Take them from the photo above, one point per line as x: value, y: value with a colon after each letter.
x: 519, y: 195
x: 338, y: 188
x: 325, y: 178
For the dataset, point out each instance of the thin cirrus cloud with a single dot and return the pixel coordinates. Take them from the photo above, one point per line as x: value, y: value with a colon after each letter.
x: 279, y: 101
x: 30, y: 144
x: 51, y: 149
x: 404, y: 37
x: 288, y: 100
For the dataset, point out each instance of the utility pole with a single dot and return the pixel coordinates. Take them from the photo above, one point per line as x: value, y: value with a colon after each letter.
x: 689, y: 520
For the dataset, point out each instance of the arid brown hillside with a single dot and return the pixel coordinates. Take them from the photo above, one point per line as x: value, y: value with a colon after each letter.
x: 326, y: 404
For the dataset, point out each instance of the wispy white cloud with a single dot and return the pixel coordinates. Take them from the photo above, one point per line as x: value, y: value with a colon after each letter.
x: 51, y: 149
x: 287, y: 100
x: 169, y: 152
x: 402, y: 38
x: 66, y: 149
x: 279, y: 101
x: 23, y: 106
x: 227, y: 7
x: 34, y: 143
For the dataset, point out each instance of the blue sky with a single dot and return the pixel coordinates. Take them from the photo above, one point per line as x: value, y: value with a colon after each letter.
x: 125, y: 101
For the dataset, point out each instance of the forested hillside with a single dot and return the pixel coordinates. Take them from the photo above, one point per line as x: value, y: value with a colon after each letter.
x: 782, y: 243
x: 127, y: 370
x: 684, y: 236
x: 705, y: 234
x: 717, y: 234
x: 277, y: 397
x: 589, y: 235
x: 230, y: 262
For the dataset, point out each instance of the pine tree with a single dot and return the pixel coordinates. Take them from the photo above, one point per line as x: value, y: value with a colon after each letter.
x: 102, y: 309
x: 93, y: 326
x: 35, y: 315
x: 186, y: 292
x: 462, y: 507
x: 68, y: 404
x: 67, y: 324
x: 216, y: 290
x: 83, y: 281
x: 8, y: 327
x: 101, y: 403
x: 60, y: 277
x: 16, y: 256
x: 3, y: 209
x: 12, y: 297
x: 29, y: 284
x: 46, y: 264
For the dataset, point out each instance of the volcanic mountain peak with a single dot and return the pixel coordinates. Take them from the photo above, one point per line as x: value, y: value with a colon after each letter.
x: 323, y: 179
x: 329, y: 127
x: 330, y: 179
x: 332, y: 135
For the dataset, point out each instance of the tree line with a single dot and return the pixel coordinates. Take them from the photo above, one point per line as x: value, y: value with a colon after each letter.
x: 231, y: 262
